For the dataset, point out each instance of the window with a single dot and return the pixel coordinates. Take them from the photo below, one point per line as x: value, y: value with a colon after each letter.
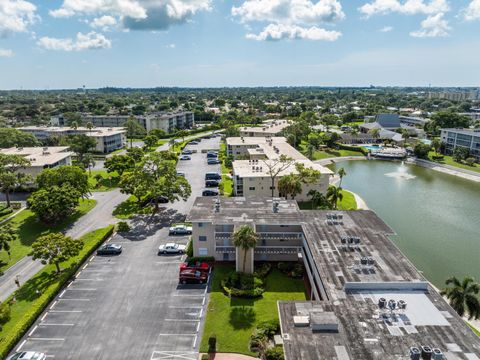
x: 202, y: 251
x: 226, y: 257
x: 202, y: 238
x: 200, y: 224
x: 251, y: 188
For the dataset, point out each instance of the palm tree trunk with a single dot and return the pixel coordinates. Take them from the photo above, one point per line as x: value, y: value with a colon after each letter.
x: 273, y: 183
x: 58, y: 267
x: 7, y: 197
x: 244, y: 259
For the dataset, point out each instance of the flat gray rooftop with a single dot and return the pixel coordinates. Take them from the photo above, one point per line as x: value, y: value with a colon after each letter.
x: 352, y: 289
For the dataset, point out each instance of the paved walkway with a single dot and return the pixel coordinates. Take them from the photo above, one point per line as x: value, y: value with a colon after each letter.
x: 333, y: 160
x: 100, y: 216
x: 447, y: 169
x: 230, y: 356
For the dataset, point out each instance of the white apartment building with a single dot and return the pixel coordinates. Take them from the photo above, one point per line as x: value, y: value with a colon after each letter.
x: 41, y: 157
x: 268, y: 128
x: 167, y: 122
x: 467, y: 138
x: 252, y: 177
x: 107, y: 139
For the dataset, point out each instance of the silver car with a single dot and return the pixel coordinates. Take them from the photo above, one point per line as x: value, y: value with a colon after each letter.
x: 27, y: 355
x: 171, y: 248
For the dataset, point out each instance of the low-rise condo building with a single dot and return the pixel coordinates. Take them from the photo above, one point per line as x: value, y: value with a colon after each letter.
x: 167, y: 122
x: 268, y: 128
x: 367, y: 300
x: 253, y: 177
x: 466, y: 138
x: 107, y: 139
x: 41, y: 157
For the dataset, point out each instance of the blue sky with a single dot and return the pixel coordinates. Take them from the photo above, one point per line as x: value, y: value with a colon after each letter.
x: 147, y: 43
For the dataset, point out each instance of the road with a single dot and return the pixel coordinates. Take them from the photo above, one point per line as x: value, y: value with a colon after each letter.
x: 100, y: 216
x: 131, y: 306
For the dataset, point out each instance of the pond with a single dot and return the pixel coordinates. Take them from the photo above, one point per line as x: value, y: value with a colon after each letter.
x: 436, y: 216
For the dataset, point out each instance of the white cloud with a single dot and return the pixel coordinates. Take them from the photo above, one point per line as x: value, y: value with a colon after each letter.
x: 289, y: 11
x: 386, y: 29
x: 136, y: 14
x: 472, y: 11
x: 6, y: 53
x: 290, y: 19
x: 104, y: 22
x: 91, y: 40
x: 408, y: 7
x: 170, y: 46
x: 292, y: 32
x: 16, y: 16
x: 432, y: 26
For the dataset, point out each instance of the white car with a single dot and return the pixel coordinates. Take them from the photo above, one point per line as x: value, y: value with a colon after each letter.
x: 27, y: 355
x: 171, y: 248
x: 180, y: 230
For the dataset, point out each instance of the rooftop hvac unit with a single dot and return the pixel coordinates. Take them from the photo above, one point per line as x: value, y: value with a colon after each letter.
x: 392, y: 304
x: 427, y: 352
x: 324, y: 322
x: 382, y: 303
x: 402, y: 304
x: 275, y: 206
x: 437, y: 354
x: 370, y: 261
x: 363, y: 261
x: 414, y: 353
x: 301, y: 321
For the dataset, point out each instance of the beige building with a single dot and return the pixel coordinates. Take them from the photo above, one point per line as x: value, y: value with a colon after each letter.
x: 107, y: 139
x: 268, y: 128
x: 41, y: 157
x: 252, y: 177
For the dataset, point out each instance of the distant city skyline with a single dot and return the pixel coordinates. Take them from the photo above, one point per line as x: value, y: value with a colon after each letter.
x: 65, y: 44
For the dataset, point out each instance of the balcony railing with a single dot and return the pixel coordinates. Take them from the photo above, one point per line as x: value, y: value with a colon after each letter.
x: 281, y: 250
x: 279, y: 236
x: 225, y: 249
x: 223, y: 235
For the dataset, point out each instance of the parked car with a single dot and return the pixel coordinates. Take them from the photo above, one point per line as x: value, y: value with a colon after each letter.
x: 180, y: 173
x: 214, y: 161
x: 193, y: 142
x: 194, y: 265
x: 109, y: 249
x: 28, y: 355
x: 187, y: 152
x: 213, y: 176
x: 185, y: 157
x: 193, y: 277
x: 171, y: 248
x: 212, y: 155
x: 212, y: 183
x: 210, y: 192
x: 180, y: 230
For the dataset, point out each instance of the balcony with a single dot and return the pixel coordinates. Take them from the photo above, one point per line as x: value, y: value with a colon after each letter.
x: 223, y: 236
x: 280, y: 236
x: 281, y: 250
x: 225, y: 249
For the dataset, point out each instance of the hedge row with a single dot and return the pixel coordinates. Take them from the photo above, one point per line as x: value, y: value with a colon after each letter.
x: 8, y: 341
x: 353, y: 148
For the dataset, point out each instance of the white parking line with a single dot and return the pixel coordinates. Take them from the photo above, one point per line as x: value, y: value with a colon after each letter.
x: 47, y: 339
x: 201, y: 313
x: 44, y: 316
x: 93, y: 257
x: 66, y: 311
x: 33, y: 330
x: 70, y: 283
x: 50, y: 324
x: 182, y: 320
x: 78, y: 274
x: 195, y: 342
x: 21, y: 345
x: 83, y: 289
x: 198, y: 326
x: 63, y: 293
x: 177, y: 334
x: 83, y: 279
x: 84, y: 266
x: 203, y: 301
x: 185, y: 307
x: 75, y: 299
x: 54, y: 303
x: 189, y: 295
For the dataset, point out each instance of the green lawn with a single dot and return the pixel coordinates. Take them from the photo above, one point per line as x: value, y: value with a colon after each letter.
x: 30, y: 228
x: 233, y: 320
x: 226, y: 179
x: 29, y: 304
x: 348, y: 202
x: 448, y: 160
x: 109, y: 180
x: 116, y: 152
x: 476, y: 332
x: 328, y: 153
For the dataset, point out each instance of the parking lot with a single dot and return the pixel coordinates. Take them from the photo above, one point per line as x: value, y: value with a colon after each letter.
x: 130, y: 306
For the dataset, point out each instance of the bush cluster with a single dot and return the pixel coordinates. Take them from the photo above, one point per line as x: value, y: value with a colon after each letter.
x: 353, y: 148
x: 28, y: 318
x: 243, y: 285
x: 4, y: 313
x: 207, y: 259
x: 212, y: 344
x: 262, y: 335
x: 291, y: 269
x: 263, y: 271
x: 5, y: 211
x: 274, y: 353
x: 189, y: 250
x: 123, y: 226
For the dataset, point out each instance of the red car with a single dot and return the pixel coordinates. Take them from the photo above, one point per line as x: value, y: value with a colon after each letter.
x: 193, y: 277
x: 194, y: 265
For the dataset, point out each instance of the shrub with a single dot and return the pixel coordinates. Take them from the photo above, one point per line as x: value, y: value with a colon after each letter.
x: 258, y: 342
x: 438, y: 157
x: 353, y: 148
x: 205, y: 357
x: 4, y: 312
x: 189, y: 250
x: 212, y: 344
x: 268, y: 328
x: 123, y: 226
x: 291, y: 269
x: 275, y: 353
x: 207, y: 259
x: 470, y: 161
x: 263, y: 270
x: 6, y: 211
x: 243, y: 285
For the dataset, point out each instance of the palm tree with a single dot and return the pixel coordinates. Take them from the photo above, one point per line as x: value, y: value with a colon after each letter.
x: 463, y: 296
x: 375, y: 133
x: 310, y: 151
x: 334, y: 194
x: 89, y: 162
x: 7, y: 235
x: 316, y: 197
x: 290, y: 185
x: 405, y: 136
x: 89, y: 126
x: 74, y: 125
x: 436, y: 143
x: 171, y: 142
x: 341, y: 172
x: 245, y: 238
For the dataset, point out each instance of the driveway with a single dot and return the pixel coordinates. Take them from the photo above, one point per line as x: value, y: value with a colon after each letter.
x: 131, y: 306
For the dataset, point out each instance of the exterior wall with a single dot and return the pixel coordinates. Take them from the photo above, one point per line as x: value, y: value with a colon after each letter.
x: 107, y: 144
x: 453, y: 139
x: 34, y: 171
x: 170, y: 122
x: 260, y: 187
x: 258, y: 133
x: 204, y: 248
x: 239, y: 150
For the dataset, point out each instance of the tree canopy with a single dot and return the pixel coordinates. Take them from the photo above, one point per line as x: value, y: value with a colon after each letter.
x: 64, y: 175
x: 10, y: 176
x: 55, y: 203
x: 10, y: 137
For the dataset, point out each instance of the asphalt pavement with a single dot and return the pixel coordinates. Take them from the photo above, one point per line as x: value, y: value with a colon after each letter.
x: 131, y: 306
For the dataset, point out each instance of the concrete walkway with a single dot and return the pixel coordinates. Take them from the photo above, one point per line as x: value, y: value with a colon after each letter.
x: 446, y: 169
x: 230, y: 356
x: 333, y: 160
x: 100, y: 216
x: 361, y: 204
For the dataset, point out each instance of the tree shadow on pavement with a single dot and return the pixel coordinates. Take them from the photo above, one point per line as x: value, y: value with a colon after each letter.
x: 145, y: 225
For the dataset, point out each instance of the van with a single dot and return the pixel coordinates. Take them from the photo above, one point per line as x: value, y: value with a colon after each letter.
x: 213, y: 176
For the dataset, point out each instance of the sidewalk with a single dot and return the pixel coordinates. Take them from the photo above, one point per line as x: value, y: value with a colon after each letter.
x: 446, y: 169
x: 229, y: 356
x: 333, y: 160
